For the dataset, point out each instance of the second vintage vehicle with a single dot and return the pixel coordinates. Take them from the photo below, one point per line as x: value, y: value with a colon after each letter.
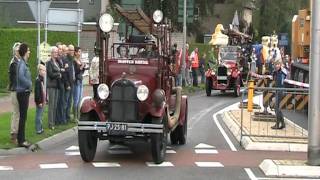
x: 136, y: 96
x: 228, y: 75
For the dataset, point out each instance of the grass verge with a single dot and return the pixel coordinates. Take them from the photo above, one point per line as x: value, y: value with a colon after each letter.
x: 30, y: 131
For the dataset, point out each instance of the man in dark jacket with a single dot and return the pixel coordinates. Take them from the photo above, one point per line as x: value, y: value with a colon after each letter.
x: 12, y: 87
x: 70, y: 78
x: 279, y: 75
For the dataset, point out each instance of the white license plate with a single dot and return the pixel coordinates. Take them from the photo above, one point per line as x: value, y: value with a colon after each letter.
x: 222, y: 77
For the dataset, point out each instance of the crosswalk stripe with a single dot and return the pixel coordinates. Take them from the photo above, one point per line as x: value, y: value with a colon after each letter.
x: 6, y: 168
x: 54, y: 166
x: 170, y: 151
x: 164, y: 164
x: 73, y: 148
x: 106, y: 164
x: 73, y: 153
x: 209, y: 164
x: 203, y: 146
x: 206, y: 151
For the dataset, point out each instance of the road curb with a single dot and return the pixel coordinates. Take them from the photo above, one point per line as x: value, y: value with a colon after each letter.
x: 289, y: 169
x: 57, y: 139
x: 248, y: 144
x: 44, y: 144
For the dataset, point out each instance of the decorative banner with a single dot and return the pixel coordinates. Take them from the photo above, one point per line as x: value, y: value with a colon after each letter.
x: 45, y: 52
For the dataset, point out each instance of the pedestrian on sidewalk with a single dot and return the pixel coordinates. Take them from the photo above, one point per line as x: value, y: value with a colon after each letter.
x: 24, y: 85
x: 40, y: 97
x: 195, y: 66
x: 79, y: 68
x: 279, y: 75
x: 202, y: 68
x: 13, y: 95
x: 53, y: 78
x: 70, y: 76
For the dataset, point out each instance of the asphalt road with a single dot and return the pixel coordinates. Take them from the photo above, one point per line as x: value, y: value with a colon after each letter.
x: 211, y: 152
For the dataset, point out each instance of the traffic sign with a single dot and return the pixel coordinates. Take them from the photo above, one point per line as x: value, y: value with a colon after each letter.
x: 45, y: 52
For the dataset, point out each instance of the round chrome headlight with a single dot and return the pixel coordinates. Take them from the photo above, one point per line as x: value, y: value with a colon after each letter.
x: 142, y: 92
x: 103, y: 91
x: 106, y: 22
x: 229, y: 72
x: 157, y: 16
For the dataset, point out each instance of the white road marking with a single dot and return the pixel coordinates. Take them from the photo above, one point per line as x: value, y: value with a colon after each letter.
x: 203, y: 146
x: 106, y: 164
x: 209, y: 164
x: 224, y: 134
x: 54, y: 166
x: 73, y: 148
x: 119, y: 151
x: 206, y: 151
x: 6, y: 168
x: 198, y: 116
x: 250, y: 174
x: 170, y: 151
x: 164, y: 164
x: 72, y: 153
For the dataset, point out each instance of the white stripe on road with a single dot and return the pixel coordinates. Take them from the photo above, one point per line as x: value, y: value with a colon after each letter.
x: 209, y: 164
x: 224, y: 134
x: 206, y: 151
x: 204, y: 146
x: 6, y: 168
x: 250, y: 174
x: 72, y: 153
x: 198, y: 116
x: 54, y: 166
x: 73, y: 148
x: 164, y: 164
x: 106, y: 164
x: 170, y: 151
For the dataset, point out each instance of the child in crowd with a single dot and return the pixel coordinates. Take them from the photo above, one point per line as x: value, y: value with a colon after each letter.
x: 40, y: 97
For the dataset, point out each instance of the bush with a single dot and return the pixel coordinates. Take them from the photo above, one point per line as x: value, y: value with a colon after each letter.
x: 9, y: 36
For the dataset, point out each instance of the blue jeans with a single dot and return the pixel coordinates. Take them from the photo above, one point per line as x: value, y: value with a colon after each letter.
x: 39, y: 112
x: 77, y: 94
x: 179, y: 80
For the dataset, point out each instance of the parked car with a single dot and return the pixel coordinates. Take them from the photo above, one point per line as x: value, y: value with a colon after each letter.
x: 137, y: 97
x: 228, y: 74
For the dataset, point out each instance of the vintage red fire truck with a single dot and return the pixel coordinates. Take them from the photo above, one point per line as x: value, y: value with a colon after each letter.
x: 228, y: 74
x: 136, y: 95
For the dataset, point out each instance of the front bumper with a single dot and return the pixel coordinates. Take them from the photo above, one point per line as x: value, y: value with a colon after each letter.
x: 131, y: 127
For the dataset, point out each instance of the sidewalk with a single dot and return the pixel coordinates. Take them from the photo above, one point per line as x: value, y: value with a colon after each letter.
x: 258, y: 135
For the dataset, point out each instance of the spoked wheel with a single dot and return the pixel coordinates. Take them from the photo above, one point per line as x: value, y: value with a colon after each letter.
x: 208, y: 87
x: 87, y: 141
x: 159, y: 141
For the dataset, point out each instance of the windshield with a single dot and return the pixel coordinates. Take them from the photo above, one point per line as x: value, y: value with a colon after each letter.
x: 134, y: 50
x: 229, y: 53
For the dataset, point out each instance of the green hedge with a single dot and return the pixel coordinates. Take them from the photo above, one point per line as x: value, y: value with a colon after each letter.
x: 9, y: 36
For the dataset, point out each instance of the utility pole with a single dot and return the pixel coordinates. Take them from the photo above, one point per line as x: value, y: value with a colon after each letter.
x: 38, y: 24
x: 314, y: 95
x: 183, y: 69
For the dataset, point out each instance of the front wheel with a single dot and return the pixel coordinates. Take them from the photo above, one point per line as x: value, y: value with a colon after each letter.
x: 87, y: 141
x: 183, y: 129
x: 159, y: 142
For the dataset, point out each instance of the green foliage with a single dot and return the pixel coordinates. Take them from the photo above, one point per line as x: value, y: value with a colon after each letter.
x: 9, y: 36
x: 30, y: 129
